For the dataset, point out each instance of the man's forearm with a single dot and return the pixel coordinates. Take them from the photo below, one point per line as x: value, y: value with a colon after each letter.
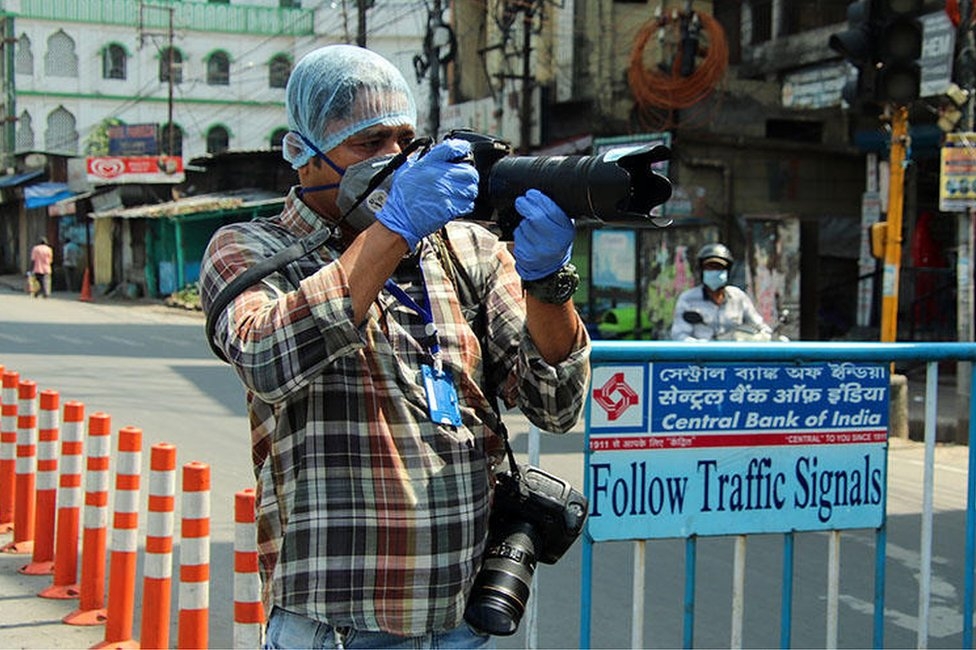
x: 554, y: 328
x: 368, y: 262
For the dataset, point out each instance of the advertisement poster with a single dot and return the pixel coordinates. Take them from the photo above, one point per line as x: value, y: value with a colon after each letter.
x: 957, y: 172
x: 677, y: 449
x: 104, y: 170
x: 615, y: 259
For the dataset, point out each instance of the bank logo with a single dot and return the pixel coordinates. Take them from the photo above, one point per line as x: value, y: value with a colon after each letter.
x: 615, y: 396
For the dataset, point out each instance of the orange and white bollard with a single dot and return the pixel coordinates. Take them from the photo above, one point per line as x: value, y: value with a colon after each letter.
x: 26, y: 469
x: 65, y: 585
x: 157, y: 582
x: 92, y: 592
x: 124, y: 547
x: 46, y: 494
x: 248, y: 610
x: 8, y: 449
x: 193, y: 628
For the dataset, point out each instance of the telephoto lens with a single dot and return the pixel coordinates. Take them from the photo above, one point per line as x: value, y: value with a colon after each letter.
x: 619, y: 186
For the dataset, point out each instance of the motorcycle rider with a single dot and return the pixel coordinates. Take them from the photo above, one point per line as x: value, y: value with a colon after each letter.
x: 714, y: 308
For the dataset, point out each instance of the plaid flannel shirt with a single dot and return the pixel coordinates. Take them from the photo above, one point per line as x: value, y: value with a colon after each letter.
x: 369, y: 515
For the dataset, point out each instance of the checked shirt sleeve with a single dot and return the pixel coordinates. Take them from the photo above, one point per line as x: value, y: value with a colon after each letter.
x: 282, y: 332
x: 550, y: 396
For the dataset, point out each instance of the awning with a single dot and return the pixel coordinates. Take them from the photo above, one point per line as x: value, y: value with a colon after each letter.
x: 40, y: 195
x: 13, y: 180
x: 201, y: 207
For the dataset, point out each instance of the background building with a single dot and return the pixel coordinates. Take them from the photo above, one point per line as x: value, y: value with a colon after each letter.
x: 747, y: 94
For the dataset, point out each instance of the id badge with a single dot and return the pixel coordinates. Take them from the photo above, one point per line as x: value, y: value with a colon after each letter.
x: 442, y: 399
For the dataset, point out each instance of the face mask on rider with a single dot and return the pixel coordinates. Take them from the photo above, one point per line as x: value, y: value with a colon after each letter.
x: 715, y: 279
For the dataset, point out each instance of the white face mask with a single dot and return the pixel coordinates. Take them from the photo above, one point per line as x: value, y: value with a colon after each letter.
x: 715, y: 279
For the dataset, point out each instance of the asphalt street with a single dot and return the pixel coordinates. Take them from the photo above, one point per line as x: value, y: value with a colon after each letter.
x: 148, y: 366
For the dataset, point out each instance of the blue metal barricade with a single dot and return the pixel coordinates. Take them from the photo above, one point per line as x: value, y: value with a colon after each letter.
x: 796, y: 354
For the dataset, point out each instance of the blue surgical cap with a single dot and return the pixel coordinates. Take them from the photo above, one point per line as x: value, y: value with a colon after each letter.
x: 338, y: 90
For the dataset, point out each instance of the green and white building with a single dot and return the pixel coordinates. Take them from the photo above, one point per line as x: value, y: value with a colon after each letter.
x: 209, y: 75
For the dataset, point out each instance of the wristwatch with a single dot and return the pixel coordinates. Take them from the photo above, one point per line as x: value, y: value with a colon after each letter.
x: 555, y: 288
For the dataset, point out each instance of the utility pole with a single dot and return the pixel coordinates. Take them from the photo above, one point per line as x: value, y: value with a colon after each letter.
x: 361, y: 25
x: 525, y: 111
x: 169, y: 103
x: 9, y: 117
x: 170, y: 65
x: 433, y: 60
x: 966, y: 75
x: 893, y: 224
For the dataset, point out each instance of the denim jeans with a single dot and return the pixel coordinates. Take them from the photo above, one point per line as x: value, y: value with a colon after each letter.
x: 288, y: 630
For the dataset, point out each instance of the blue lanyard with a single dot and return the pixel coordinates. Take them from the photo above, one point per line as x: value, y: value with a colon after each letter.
x: 430, y: 330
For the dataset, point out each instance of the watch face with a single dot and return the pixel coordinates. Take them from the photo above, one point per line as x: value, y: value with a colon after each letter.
x: 564, y: 288
x: 556, y: 288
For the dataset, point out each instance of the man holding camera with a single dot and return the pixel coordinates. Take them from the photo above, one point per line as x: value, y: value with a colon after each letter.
x: 372, y: 366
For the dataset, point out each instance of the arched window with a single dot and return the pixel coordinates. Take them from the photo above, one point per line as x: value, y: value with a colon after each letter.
x: 218, y: 139
x: 279, y: 69
x: 25, y: 132
x: 168, y: 68
x: 60, y: 60
x: 25, y: 56
x: 177, y: 138
x: 218, y: 69
x: 277, y: 137
x: 61, y: 135
x: 113, y: 62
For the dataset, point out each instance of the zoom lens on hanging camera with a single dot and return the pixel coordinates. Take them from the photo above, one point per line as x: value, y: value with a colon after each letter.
x: 535, y: 517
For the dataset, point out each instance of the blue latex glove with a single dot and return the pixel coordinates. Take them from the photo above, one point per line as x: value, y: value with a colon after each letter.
x: 429, y: 191
x: 544, y: 237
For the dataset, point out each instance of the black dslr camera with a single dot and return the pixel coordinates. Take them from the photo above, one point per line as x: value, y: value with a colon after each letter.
x: 535, y: 517
x: 618, y: 186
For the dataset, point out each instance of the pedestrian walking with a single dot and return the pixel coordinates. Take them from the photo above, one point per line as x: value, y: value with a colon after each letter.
x: 42, y: 255
x: 71, y: 256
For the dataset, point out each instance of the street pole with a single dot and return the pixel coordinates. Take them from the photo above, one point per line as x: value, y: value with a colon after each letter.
x: 893, y: 224
x: 433, y: 60
x: 966, y: 75
x: 9, y: 117
x: 361, y: 23
x: 525, y: 111
x: 169, y: 100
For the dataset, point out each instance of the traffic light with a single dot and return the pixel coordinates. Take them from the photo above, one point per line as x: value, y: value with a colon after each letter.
x: 899, y: 47
x: 883, y: 41
x: 858, y: 44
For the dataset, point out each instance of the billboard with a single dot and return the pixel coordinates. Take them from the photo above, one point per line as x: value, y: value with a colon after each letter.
x: 118, y: 170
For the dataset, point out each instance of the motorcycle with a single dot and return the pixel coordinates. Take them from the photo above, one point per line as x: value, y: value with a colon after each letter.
x: 744, y: 333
